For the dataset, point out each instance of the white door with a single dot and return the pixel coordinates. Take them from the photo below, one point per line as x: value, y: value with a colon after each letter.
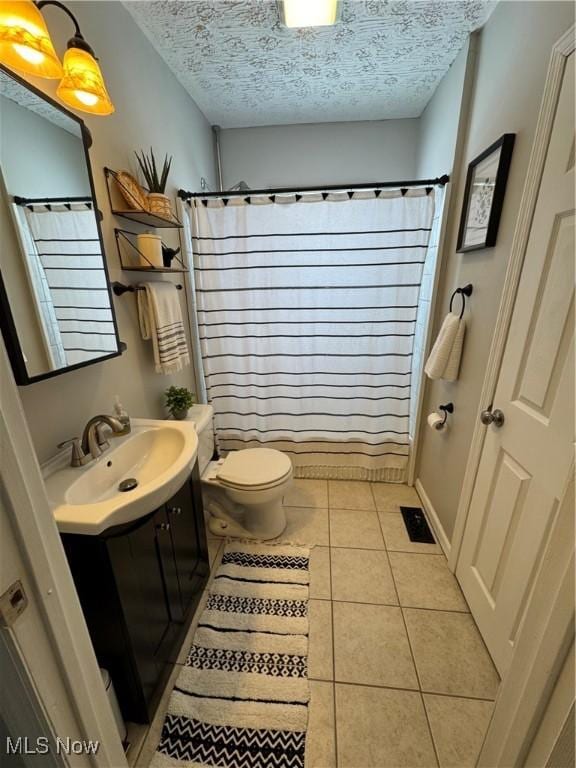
x: 526, y: 463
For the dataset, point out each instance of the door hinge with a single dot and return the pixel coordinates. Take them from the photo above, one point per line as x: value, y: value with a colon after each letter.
x: 12, y: 604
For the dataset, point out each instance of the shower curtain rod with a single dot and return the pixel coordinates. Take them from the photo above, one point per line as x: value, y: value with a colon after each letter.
x: 17, y: 200
x: 440, y: 181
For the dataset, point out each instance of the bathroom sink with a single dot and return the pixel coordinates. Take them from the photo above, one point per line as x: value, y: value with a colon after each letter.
x: 158, y: 455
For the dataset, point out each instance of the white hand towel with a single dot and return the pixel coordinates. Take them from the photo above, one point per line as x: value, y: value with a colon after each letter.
x: 453, y: 365
x: 444, y: 359
x: 160, y: 319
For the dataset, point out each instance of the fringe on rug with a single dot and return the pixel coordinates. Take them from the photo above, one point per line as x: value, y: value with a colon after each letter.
x: 241, y: 699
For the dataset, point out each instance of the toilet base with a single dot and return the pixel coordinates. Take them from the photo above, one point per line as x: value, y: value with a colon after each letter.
x: 227, y: 517
x: 230, y: 529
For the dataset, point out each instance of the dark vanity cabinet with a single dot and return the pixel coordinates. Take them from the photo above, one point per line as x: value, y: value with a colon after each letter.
x: 139, y: 584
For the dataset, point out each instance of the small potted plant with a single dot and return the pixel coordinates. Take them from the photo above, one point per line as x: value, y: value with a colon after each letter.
x: 178, y: 401
x: 158, y: 201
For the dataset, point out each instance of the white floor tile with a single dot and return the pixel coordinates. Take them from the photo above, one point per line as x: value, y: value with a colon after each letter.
x: 320, y: 657
x: 389, y: 497
x: 450, y: 655
x: 306, y: 525
x: 362, y: 576
x: 307, y: 493
x: 349, y: 494
x: 458, y: 728
x: 371, y: 646
x: 382, y: 728
x: 320, y: 573
x: 425, y: 581
x: 355, y: 528
x: 321, y: 734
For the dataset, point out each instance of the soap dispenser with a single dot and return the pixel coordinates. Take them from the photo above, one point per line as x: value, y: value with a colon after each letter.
x: 122, y: 416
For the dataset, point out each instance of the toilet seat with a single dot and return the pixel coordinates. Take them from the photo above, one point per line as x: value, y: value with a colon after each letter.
x: 254, y: 469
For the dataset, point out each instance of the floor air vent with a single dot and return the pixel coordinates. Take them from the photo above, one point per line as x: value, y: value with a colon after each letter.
x: 417, y: 525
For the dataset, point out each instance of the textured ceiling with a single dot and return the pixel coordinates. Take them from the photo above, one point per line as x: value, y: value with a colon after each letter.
x: 15, y: 91
x: 383, y: 59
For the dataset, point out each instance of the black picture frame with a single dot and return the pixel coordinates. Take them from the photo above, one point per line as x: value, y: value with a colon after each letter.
x: 7, y: 324
x: 488, y: 201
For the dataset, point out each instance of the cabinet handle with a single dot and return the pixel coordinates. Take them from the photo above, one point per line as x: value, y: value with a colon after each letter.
x: 163, y: 527
x: 174, y: 510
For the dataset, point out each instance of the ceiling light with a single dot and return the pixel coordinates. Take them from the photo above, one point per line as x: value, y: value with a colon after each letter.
x: 309, y: 13
x: 25, y: 43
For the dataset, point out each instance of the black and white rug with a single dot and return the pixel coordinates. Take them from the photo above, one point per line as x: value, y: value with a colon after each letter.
x: 241, y: 699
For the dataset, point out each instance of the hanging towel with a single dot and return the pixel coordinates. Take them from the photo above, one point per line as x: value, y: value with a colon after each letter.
x: 160, y: 319
x: 453, y: 365
x: 444, y: 359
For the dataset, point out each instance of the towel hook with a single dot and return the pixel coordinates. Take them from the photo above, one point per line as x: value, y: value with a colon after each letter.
x: 465, y: 291
x: 446, y: 409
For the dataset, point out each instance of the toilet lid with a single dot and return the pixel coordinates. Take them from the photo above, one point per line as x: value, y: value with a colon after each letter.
x: 253, y: 467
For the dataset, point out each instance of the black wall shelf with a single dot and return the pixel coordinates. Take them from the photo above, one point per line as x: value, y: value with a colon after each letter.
x: 133, y: 214
x: 131, y: 257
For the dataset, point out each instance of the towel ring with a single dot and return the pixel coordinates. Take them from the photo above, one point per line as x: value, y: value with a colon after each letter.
x: 465, y: 291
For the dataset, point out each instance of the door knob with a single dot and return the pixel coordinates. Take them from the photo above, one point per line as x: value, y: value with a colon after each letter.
x: 490, y: 416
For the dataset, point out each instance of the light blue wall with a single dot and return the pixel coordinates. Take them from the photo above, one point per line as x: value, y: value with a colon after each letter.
x: 322, y: 153
x: 39, y: 158
x: 438, y: 124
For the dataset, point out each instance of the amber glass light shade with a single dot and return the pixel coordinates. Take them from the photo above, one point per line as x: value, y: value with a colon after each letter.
x: 25, y: 44
x: 82, y: 86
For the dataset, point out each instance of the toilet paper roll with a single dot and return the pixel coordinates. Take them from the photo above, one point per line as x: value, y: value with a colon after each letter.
x: 435, y: 421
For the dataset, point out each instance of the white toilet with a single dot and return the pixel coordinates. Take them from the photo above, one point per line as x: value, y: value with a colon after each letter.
x: 242, y: 493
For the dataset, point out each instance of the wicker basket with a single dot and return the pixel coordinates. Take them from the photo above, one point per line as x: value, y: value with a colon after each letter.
x: 131, y: 191
x: 160, y: 205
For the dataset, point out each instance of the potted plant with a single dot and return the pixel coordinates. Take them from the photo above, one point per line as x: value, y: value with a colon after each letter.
x: 158, y: 201
x: 178, y: 401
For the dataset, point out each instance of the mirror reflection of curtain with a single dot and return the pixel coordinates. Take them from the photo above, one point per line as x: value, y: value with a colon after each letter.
x: 69, y: 258
x: 45, y: 312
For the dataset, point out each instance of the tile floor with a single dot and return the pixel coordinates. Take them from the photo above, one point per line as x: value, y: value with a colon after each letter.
x: 399, y: 675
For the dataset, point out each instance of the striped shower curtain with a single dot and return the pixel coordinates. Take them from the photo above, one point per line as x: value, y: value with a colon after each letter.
x: 306, y: 310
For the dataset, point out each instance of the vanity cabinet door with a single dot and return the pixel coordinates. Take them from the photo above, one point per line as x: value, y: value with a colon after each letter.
x: 189, y: 542
x: 140, y: 583
x: 164, y: 526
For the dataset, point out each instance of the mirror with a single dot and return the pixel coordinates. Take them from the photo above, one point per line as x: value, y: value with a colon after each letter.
x: 55, y: 304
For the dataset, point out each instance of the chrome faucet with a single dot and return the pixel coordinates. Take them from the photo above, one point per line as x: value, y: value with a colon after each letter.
x: 78, y: 458
x: 93, y: 439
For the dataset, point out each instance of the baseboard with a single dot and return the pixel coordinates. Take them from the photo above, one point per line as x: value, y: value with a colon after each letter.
x: 433, y: 519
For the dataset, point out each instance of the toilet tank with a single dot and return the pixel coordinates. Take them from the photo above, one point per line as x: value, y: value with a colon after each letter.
x: 202, y: 415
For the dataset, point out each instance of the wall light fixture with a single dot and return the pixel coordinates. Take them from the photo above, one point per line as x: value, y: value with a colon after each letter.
x: 25, y: 45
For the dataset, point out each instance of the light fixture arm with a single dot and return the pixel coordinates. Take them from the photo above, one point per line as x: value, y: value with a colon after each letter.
x: 78, y: 40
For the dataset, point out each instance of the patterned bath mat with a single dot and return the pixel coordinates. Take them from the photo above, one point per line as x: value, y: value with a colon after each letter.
x: 241, y: 699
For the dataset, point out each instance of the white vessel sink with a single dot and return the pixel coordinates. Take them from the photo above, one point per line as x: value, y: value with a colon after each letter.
x: 159, y: 455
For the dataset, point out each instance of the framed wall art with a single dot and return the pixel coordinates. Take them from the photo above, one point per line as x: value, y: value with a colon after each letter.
x: 484, y: 196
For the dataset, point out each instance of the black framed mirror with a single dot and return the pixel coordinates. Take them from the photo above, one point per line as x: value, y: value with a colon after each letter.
x: 56, y: 308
